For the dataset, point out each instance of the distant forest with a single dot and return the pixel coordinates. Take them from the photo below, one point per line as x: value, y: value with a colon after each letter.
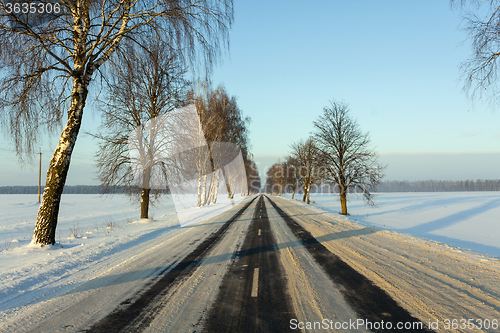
x: 438, y: 185
x: 385, y: 186
x: 68, y: 189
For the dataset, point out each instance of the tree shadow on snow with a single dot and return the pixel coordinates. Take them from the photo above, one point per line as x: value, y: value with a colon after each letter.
x: 452, y: 219
x: 137, y: 275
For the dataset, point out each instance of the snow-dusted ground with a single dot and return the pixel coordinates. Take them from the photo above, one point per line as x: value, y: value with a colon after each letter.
x: 435, y: 282
x: 94, y: 234
x: 468, y: 220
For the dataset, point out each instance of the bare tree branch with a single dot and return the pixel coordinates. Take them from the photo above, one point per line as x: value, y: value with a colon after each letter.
x: 481, y: 71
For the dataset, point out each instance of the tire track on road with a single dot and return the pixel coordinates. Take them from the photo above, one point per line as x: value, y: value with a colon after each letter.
x: 135, y: 313
x: 369, y: 301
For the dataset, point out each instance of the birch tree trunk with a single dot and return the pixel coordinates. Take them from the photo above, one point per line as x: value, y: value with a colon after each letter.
x: 202, y: 190
x: 214, y: 178
x: 145, y: 193
x: 199, y: 204
x: 215, y: 189
x: 202, y: 177
x: 145, y: 203
x: 228, y: 183
x: 148, y: 164
x: 306, y: 189
x: 46, y: 222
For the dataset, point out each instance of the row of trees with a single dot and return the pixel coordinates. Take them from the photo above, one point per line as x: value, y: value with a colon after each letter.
x: 222, y: 122
x: 146, y: 111
x: 291, y: 185
x: 49, y: 66
x: 52, y: 66
x: 337, y: 155
x: 349, y: 164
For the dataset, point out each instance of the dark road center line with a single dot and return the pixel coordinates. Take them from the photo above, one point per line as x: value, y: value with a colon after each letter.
x: 369, y: 301
x: 253, y: 296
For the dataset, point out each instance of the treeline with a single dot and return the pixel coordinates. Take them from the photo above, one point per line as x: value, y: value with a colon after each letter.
x: 438, y: 185
x: 69, y: 189
x: 336, y: 158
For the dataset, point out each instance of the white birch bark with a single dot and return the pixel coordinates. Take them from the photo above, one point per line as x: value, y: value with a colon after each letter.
x: 45, y: 228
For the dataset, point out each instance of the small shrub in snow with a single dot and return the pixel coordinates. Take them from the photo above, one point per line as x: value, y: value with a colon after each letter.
x: 75, y: 231
x: 110, y: 224
x: 7, y: 246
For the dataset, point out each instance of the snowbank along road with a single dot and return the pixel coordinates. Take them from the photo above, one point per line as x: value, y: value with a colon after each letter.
x: 273, y: 265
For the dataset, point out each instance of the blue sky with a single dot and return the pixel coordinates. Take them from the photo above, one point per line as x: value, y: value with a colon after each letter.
x: 396, y: 63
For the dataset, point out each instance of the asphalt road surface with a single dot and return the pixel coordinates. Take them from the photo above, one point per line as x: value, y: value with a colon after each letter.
x: 253, y: 269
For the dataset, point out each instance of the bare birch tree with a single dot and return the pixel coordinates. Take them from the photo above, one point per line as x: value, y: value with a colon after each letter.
x: 481, y: 71
x: 310, y: 164
x: 146, y: 81
x: 349, y: 161
x: 276, y: 177
x: 48, y: 68
x: 222, y: 122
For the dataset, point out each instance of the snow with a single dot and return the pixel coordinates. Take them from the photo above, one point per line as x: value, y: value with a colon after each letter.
x: 313, y: 293
x: 413, y: 245
x: 432, y: 280
x: 466, y: 220
x: 94, y: 234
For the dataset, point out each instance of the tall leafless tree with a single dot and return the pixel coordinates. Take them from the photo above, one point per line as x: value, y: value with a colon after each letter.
x: 222, y: 122
x: 277, y: 177
x: 253, y: 177
x: 48, y: 68
x: 146, y: 81
x: 349, y: 161
x: 310, y: 164
x: 481, y: 71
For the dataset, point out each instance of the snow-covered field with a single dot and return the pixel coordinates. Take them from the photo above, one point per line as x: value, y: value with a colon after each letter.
x: 435, y: 282
x: 94, y: 234
x: 467, y: 220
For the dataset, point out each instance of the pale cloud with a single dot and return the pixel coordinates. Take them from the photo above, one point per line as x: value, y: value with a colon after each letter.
x: 468, y: 134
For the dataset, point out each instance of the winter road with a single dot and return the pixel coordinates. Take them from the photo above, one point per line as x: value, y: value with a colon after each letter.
x: 255, y: 268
